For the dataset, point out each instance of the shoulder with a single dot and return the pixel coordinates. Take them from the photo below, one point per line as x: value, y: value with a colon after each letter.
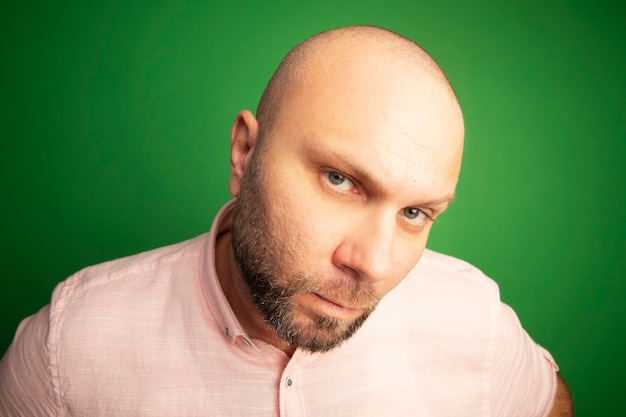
x: 113, y: 316
x: 445, y: 301
x: 440, y: 266
x: 99, y: 317
x: 446, y: 282
x: 142, y: 270
x: 446, y: 332
x: 121, y: 295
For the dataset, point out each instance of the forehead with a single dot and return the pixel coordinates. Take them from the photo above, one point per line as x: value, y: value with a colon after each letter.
x: 375, y: 90
x: 392, y: 121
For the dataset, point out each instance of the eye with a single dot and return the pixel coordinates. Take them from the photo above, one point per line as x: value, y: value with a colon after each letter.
x: 414, y: 215
x: 339, y: 181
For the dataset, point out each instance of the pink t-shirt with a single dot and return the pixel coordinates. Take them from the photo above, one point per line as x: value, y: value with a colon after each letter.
x: 153, y: 335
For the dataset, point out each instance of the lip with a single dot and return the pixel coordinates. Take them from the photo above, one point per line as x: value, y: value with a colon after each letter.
x: 336, y: 310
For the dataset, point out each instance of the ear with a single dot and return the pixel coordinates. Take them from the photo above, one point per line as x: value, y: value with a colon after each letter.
x: 243, y: 139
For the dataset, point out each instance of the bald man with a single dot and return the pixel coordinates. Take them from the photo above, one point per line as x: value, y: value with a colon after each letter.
x: 313, y: 293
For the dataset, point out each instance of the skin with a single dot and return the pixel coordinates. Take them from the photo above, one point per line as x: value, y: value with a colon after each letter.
x: 341, y: 178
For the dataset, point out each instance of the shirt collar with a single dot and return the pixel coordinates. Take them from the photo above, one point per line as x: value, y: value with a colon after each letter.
x: 216, y: 300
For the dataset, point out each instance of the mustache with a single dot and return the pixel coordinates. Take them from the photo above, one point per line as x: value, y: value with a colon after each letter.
x: 345, y: 292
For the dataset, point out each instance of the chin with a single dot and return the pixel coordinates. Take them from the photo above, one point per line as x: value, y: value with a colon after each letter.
x: 322, y: 334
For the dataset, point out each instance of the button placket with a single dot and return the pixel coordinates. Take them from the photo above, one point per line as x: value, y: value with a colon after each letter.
x: 292, y: 382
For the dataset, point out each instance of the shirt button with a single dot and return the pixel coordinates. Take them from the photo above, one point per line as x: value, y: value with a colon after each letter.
x: 288, y: 382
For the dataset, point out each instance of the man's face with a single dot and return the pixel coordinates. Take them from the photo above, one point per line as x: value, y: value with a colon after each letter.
x: 336, y: 208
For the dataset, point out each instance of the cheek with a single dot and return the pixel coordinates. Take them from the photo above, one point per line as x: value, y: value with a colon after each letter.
x: 306, y: 232
x: 301, y: 231
x: 301, y: 216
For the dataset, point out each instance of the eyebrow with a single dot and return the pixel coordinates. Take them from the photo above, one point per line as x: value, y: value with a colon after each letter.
x: 363, y: 176
x: 447, y: 200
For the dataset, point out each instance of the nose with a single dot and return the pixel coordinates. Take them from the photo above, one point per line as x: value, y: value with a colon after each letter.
x: 367, y: 248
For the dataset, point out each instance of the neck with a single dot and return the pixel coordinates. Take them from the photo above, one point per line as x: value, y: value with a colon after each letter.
x: 238, y: 296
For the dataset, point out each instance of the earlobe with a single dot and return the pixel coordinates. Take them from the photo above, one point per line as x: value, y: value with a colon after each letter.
x: 243, y: 138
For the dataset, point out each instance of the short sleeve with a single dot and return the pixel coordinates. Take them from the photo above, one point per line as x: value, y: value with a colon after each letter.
x: 522, y: 376
x: 25, y: 383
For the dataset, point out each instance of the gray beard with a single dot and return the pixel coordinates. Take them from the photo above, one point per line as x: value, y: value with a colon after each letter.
x: 258, y: 260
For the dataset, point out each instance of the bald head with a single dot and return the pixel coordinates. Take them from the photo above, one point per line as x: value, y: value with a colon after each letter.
x: 359, y: 87
x: 335, y: 50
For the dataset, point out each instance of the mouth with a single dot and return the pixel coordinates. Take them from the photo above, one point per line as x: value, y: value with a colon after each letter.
x: 336, y: 309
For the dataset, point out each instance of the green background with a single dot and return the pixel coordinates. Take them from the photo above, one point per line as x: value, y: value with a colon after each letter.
x: 115, y: 117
